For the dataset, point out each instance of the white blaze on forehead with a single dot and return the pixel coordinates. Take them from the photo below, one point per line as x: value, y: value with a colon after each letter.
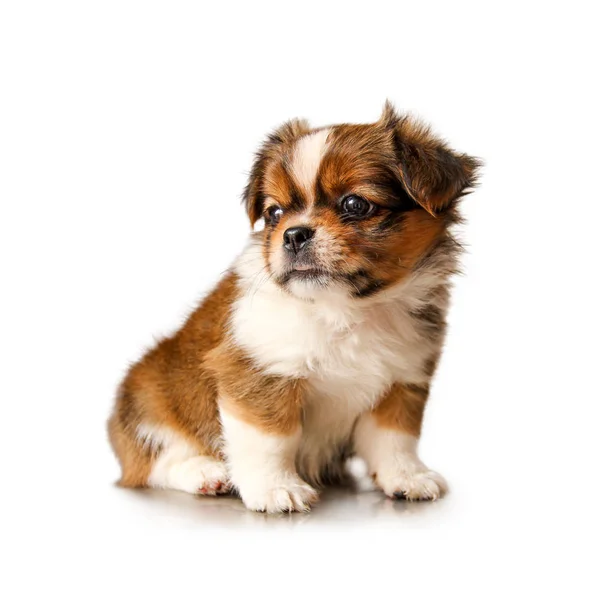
x: 307, y: 157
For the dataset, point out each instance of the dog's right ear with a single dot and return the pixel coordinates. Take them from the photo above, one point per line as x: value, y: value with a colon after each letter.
x: 276, y: 142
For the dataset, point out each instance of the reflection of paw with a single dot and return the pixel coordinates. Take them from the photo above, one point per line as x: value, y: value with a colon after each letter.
x: 286, y: 494
x: 416, y: 485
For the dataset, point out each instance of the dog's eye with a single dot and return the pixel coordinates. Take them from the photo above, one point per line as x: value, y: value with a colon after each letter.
x: 274, y: 214
x: 355, y: 206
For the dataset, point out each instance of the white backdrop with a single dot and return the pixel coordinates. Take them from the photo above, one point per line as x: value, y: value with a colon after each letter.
x: 126, y: 132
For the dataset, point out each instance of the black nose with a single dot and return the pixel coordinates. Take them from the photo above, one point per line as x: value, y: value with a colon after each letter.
x: 295, y: 237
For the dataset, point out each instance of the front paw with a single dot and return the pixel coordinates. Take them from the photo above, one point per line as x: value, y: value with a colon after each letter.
x: 412, y: 485
x: 287, y: 493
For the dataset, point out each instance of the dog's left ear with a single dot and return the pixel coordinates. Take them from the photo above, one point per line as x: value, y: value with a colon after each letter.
x: 285, y: 135
x: 433, y: 174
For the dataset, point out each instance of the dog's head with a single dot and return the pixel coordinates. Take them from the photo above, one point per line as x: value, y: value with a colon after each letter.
x: 353, y: 207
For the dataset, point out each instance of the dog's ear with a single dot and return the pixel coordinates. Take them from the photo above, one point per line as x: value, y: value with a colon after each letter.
x: 433, y: 174
x: 276, y: 142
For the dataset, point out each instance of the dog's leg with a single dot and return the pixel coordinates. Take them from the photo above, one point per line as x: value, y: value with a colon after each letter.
x: 262, y: 465
x: 154, y: 455
x: 387, y: 438
x: 261, y: 430
x: 179, y: 466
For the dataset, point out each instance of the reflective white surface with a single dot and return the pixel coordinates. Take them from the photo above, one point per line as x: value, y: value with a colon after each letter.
x: 338, y: 507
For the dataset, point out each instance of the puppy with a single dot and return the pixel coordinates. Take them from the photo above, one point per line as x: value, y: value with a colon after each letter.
x: 321, y: 341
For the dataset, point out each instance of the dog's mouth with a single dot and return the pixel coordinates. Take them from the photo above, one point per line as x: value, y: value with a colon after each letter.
x: 308, y: 273
x: 305, y: 270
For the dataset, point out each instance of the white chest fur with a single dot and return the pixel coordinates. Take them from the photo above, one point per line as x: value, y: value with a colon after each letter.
x: 349, y: 351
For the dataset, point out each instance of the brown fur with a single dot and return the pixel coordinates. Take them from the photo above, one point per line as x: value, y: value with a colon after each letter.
x: 171, y: 386
x: 276, y: 146
x: 402, y: 408
x: 271, y: 403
